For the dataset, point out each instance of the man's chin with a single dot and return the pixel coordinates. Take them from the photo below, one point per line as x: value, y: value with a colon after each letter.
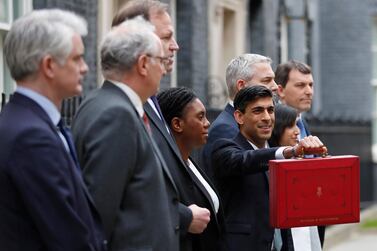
x: 305, y: 109
x: 169, y: 68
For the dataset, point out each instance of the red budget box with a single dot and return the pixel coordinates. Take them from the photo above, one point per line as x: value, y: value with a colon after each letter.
x: 317, y: 191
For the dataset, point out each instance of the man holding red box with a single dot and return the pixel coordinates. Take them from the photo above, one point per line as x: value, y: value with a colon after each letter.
x: 241, y: 170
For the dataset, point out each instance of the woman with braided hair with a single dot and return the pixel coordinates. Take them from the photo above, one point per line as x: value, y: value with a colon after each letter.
x: 186, y: 116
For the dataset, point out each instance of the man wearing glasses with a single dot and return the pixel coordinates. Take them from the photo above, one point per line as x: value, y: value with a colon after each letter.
x: 122, y: 166
x: 192, y: 218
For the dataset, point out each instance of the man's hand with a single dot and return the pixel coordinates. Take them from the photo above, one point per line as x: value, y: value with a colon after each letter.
x: 200, y: 219
x: 308, y: 145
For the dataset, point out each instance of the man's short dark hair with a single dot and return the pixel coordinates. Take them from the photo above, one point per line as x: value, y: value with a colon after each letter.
x: 283, y: 70
x: 250, y: 94
x: 139, y: 8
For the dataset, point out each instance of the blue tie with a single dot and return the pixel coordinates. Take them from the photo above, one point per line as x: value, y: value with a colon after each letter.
x: 301, y: 126
x: 278, y: 242
x: 68, y: 137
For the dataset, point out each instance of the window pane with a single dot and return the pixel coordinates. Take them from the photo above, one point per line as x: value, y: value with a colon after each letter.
x: 4, y: 11
x: 17, y: 9
x: 8, y: 83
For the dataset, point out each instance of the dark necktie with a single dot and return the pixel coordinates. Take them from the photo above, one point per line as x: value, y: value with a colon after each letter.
x: 156, y: 104
x: 68, y: 137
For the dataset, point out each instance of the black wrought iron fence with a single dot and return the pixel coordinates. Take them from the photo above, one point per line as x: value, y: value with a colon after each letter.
x: 68, y: 108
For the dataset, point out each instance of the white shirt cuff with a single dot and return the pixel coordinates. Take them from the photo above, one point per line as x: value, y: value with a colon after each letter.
x: 279, y: 153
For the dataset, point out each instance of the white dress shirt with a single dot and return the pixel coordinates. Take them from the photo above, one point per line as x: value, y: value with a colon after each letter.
x: 209, y: 189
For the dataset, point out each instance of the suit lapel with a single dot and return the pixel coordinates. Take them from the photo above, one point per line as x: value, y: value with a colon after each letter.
x: 75, y: 169
x: 159, y: 125
x: 242, y: 141
x: 201, y: 186
x: 229, y: 109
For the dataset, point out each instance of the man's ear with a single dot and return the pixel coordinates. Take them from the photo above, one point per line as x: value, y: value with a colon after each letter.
x: 177, y: 125
x: 142, y: 65
x: 48, y: 66
x: 240, y: 84
x: 281, y: 92
x: 238, y: 116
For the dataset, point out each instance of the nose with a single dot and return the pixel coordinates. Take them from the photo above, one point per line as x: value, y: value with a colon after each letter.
x: 206, y: 123
x: 266, y: 115
x: 173, y: 45
x: 309, y: 90
x: 163, y: 68
x: 273, y: 86
x: 84, y: 68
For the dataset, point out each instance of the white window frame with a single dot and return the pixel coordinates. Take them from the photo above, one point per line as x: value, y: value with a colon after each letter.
x: 283, y: 38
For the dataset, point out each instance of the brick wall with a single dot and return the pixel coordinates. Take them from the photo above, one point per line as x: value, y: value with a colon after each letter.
x: 345, y: 59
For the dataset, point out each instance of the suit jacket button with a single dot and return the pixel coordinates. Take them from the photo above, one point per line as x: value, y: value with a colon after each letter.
x: 176, y: 229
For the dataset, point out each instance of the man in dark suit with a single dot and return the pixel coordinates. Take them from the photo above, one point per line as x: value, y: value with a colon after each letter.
x: 240, y: 166
x: 44, y: 204
x: 242, y: 71
x: 295, y: 88
x: 123, y: 167
x: 193, y: 219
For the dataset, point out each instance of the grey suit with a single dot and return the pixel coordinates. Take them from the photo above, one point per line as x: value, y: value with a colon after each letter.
x: 124, y: 172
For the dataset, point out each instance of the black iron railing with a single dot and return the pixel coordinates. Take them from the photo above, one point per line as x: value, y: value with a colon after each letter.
x: 68, y: 108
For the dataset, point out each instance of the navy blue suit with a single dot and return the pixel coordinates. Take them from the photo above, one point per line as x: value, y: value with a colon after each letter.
x: 44, y: 204
x: 240, y: 175
x: 224, y: 126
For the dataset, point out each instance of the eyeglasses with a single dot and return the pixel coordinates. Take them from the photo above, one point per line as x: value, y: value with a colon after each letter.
x: 163, y: 60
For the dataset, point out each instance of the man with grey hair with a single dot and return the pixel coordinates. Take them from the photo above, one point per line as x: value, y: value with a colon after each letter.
x: 122, y: 165
x: 242, y: 71
x: 44, y: 203
x: 193, y: 217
